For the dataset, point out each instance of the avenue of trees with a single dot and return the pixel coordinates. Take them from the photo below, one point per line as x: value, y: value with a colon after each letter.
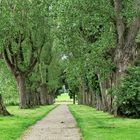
x: 91, y: 47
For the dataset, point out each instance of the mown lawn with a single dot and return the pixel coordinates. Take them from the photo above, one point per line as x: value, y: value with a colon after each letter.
x: 63, y: 98
x: 12, y: 127
x: 97, y: 125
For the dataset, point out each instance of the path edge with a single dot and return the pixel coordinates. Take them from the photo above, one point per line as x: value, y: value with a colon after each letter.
x: 26, y: 131
x: 80, y: 131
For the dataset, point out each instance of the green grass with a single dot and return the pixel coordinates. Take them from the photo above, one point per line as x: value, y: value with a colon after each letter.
x: 97, y: 125
x: 13, y: 127
x: 63, y: 98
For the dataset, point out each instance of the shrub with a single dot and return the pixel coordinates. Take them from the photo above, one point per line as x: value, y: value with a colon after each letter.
x: 128, y: 93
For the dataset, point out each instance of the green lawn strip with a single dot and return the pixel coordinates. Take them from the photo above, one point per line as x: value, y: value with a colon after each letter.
x: 13, y: 127
x: 97, y: 125
x: 63, y: 98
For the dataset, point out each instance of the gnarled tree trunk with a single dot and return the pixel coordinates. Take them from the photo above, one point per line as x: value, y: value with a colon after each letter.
x: 22, y: 92
x: 43, y: 94
x: 3, y: 110
x: 46, y: 98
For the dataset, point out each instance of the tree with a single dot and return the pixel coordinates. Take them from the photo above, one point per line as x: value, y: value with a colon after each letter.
x: 23, y: 39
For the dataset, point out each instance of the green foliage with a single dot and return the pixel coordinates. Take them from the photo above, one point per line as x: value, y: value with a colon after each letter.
x: 23, y: 30
x: 128, y: 93
x: 131, y: 9
x: 55, y: 71
x: 8, y: 87
x: 72, y: 41
x: 83, y: 32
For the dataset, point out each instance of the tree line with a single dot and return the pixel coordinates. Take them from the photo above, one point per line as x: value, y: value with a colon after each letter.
x: 90, y: 46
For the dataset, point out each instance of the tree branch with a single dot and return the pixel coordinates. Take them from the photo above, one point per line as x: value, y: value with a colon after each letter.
x: 9, y: 63
x: 119, y: 22
x: 133, y: 31
x: 31, y: 67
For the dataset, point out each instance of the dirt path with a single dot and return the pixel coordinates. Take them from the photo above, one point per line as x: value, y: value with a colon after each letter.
x: 59, y: 124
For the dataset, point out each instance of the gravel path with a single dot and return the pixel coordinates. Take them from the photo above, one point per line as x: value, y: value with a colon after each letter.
x: 59, y: 124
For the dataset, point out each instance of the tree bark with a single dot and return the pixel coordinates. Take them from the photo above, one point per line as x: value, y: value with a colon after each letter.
x: 82, y: 94
x: 46, y: 98
x: 74, y: 98
x: 50, y: 98
x: 43, y: 94
x: 22, y: 91
x: 3, y: 110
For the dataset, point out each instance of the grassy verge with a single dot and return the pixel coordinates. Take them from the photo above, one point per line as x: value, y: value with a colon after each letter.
x: 12, y: 127
x: 97, y: 125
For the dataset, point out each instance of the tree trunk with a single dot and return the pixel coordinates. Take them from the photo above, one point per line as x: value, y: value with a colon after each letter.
x: 93, y: 98
x: 50, y: 98
x: 80, y: 95
x: 37, y: 98
x: 46, y: 98
x: 22, y: 92
x: 43, y: 94
x: 31, y: 98
x: 74, y: 98
x: 99, y: 104
x: 105, y: 85
x: 3, y: 110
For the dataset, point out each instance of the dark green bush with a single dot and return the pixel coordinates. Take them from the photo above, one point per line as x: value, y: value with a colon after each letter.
x: 128, y: 93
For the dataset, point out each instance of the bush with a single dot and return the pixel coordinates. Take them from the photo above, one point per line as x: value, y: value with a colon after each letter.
x: 128, y: 93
